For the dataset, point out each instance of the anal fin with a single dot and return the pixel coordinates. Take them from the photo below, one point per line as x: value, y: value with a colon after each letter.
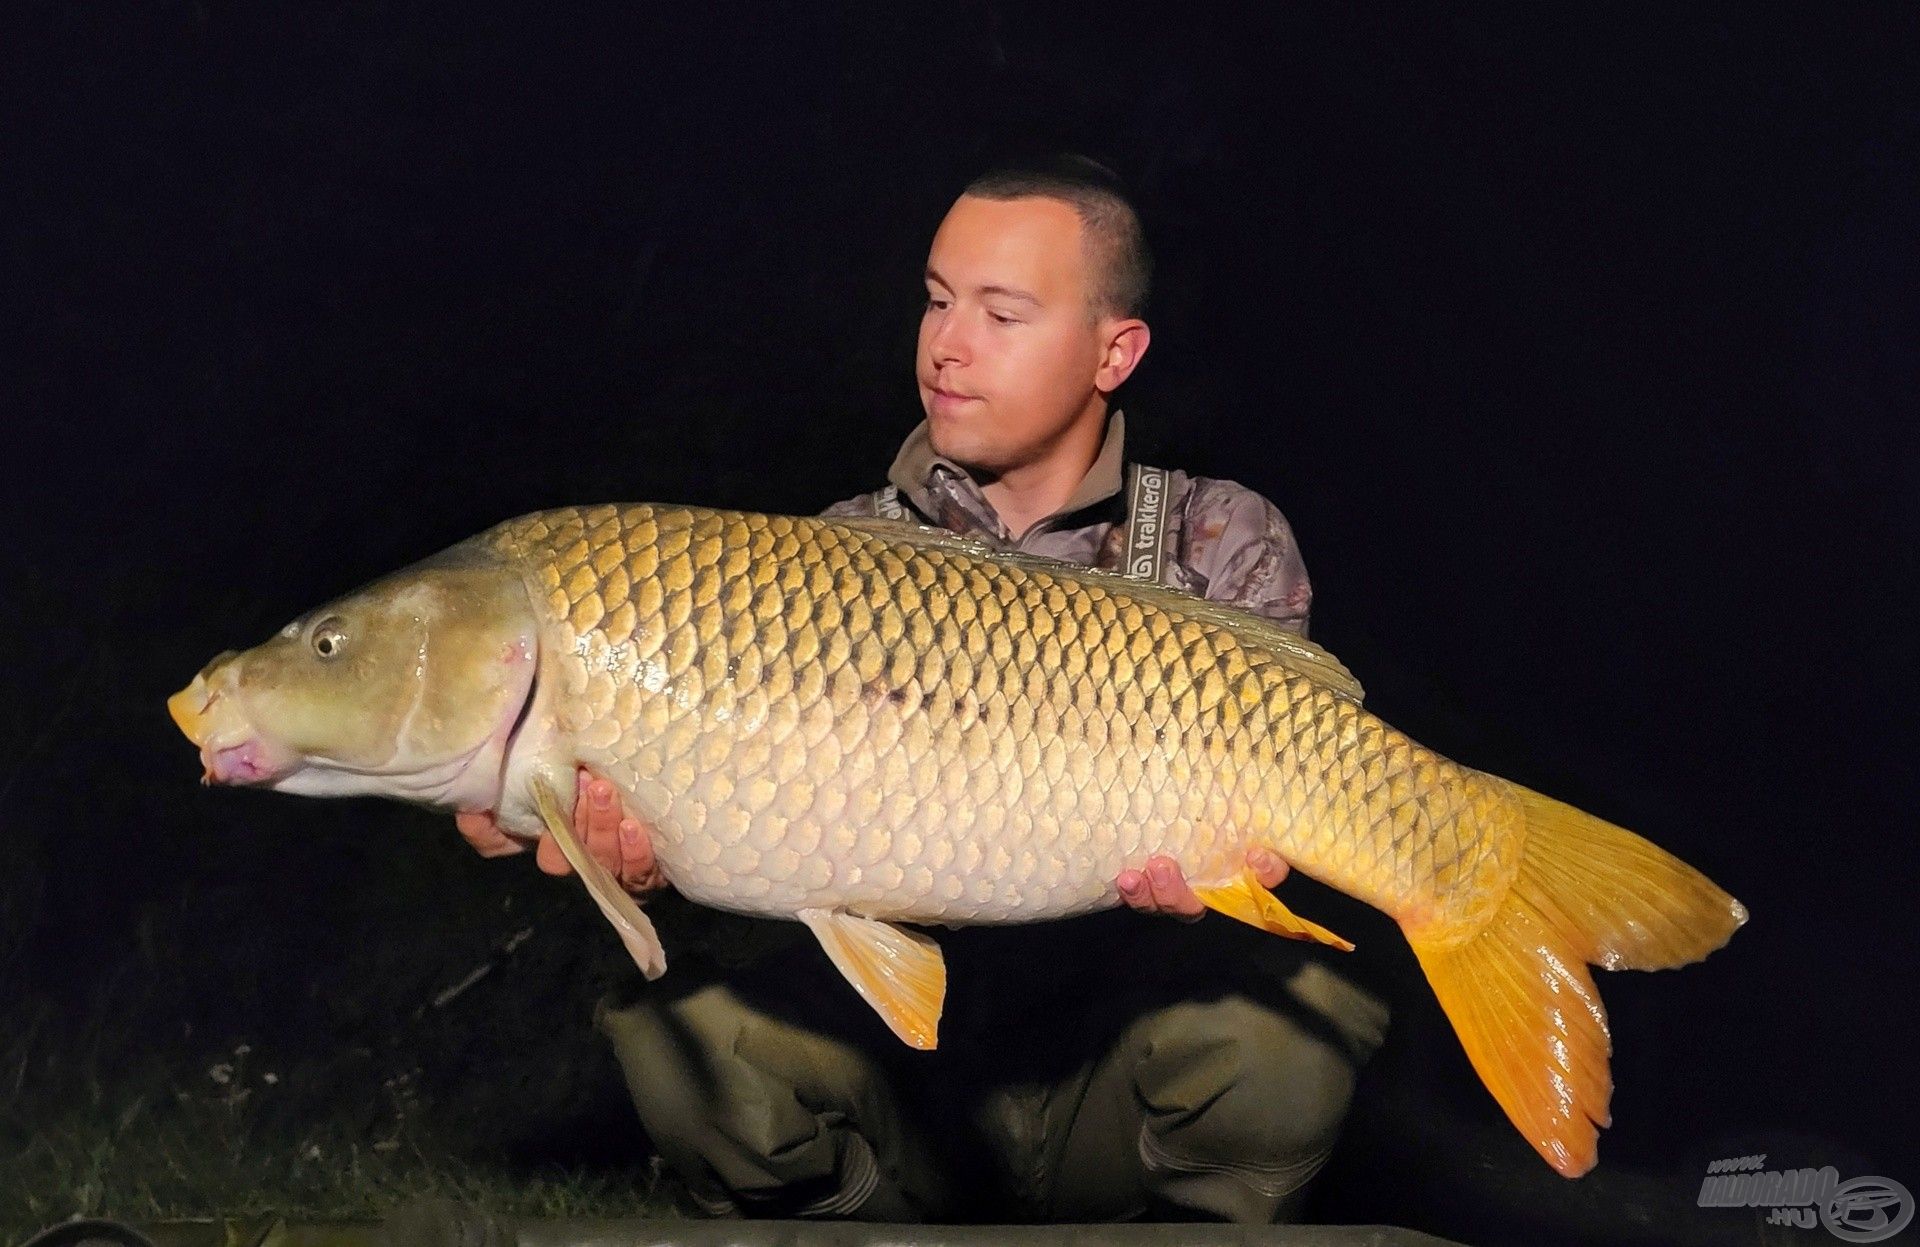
x: 636, y: 930
x: 1254, y: 905
x: 901, y: 973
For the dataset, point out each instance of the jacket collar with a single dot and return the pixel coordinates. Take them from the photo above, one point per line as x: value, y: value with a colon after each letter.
x: 915, y: 467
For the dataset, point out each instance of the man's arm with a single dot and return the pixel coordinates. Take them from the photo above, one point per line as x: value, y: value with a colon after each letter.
x: 1244, y: 548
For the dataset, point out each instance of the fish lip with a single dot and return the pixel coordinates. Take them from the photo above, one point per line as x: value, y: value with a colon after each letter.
x: 244, y: 763
x: 190, y: 709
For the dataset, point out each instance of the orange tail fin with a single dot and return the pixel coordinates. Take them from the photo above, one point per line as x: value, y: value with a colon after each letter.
x: 1518, y: 992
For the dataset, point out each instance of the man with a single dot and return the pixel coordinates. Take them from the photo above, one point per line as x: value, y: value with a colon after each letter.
x: 1095, y: 1069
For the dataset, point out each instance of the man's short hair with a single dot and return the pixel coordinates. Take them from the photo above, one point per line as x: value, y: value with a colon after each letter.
x: 1115, y: 243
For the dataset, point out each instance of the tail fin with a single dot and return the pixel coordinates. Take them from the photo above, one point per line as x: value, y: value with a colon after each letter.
x: 1518, y: 992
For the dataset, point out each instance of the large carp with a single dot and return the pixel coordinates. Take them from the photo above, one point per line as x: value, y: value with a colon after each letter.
x: 863, y: 723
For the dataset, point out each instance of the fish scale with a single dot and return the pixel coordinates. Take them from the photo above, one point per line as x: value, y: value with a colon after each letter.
x: 862, y: 722
x: 765, y: 649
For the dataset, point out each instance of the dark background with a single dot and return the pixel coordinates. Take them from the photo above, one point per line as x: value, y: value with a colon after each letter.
x: 1578, y: 346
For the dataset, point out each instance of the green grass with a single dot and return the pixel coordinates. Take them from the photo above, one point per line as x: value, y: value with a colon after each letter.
x: 143, y: 1141
x: 408, y: 1022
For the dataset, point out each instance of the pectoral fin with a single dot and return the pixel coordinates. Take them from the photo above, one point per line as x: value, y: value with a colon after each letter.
x: 901, y: 973
x: 1253, y: 904
x: 636, y: 932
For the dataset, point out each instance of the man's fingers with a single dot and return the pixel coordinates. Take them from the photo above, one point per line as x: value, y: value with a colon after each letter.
x: 616, y: 840
x: 548, y: 856
x: 1159, y: 889
x: 484, y: 835
x: 1269, y: 867
x: 1170, y: 891
x: 596, y: 820
x: 638, y: 871
x: 618, y: 843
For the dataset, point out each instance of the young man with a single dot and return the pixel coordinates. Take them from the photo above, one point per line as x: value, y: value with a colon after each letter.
x: 1091, y: 1070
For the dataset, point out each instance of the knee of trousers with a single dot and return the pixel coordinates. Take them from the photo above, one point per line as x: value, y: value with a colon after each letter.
x: 764, y: 1105
x: 1233, y: 1086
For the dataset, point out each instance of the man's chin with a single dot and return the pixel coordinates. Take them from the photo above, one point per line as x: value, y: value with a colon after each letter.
x: 950, y: 440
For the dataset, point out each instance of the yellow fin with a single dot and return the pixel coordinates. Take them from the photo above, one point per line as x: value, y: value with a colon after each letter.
x: 901, y: 973
x: 1623, y: 902
x: 636, y: 932
x: 1517, y: 989
x: 1254, y: 905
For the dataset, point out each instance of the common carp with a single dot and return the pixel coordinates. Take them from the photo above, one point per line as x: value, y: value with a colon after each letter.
x: 864, y: 723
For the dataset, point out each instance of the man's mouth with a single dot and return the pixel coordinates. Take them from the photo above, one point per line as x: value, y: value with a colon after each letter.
x: 934, y: 385
x: 945, y: 401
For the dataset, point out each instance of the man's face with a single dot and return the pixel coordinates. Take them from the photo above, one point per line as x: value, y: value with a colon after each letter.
x: 1009, y: 347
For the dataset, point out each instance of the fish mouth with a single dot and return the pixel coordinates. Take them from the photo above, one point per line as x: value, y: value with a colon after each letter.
x: 229, y: 753
x: 189, y: 709
x: 246, y: 763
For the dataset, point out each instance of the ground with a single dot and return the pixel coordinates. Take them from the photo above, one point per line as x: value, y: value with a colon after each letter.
x: 410, y: 1020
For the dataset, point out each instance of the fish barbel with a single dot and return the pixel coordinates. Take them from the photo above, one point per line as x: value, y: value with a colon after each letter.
x: 858, y: 724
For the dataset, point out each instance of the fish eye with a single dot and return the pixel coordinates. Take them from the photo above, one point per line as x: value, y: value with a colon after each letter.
x: 328, y: 640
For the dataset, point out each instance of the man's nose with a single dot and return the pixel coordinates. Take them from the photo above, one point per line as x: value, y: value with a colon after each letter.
x: 948, y: 343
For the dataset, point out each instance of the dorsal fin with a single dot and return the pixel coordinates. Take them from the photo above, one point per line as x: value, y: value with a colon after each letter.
x: 1289, y: 648
x: 922, y: 536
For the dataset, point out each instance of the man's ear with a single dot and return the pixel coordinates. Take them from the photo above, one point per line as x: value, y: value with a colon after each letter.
x: 1126, y: 342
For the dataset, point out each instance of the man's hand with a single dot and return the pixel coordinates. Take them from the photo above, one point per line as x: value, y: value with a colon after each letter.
x: 1162, y: 889
x: 615, y: 839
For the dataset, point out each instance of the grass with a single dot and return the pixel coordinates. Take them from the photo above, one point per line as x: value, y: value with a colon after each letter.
x: 221, y: 1068
x: 91, y: 1136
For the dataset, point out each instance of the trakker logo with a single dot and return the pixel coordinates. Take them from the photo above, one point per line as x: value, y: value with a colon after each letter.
x: 1145, y: 523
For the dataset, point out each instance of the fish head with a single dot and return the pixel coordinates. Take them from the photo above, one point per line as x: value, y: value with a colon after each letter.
x: 410, y: 687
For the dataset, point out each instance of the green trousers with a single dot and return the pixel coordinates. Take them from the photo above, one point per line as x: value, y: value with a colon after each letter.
x: 1104, y: 1069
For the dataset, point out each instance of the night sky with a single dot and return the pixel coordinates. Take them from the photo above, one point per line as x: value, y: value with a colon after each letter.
x: 1580, y: 348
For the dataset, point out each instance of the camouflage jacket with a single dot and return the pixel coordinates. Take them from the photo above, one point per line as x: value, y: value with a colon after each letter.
x: 1223, y: 541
